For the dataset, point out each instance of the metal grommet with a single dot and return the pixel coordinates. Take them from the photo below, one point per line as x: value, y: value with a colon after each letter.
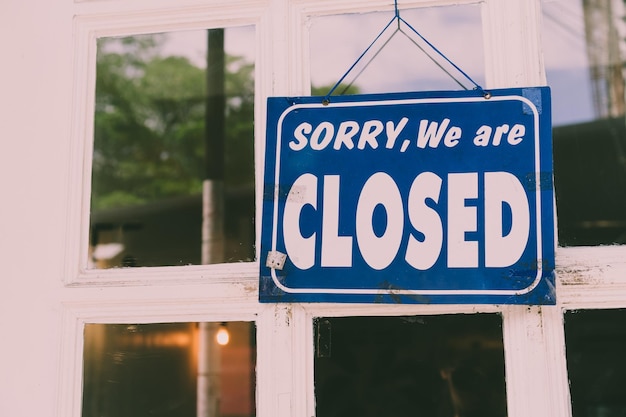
x: 487, y: 95
x: 325, y: 102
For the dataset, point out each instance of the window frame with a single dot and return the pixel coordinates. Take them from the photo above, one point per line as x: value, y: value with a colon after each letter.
x: 88, y: 28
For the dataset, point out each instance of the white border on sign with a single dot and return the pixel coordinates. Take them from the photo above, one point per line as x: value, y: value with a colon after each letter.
x: 382, y: 291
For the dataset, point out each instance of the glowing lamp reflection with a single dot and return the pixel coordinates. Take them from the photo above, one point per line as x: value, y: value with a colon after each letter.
x: 222, y: 336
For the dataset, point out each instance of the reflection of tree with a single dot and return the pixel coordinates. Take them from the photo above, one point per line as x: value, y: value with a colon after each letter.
x: 342, y: 89
x: 149, y: 123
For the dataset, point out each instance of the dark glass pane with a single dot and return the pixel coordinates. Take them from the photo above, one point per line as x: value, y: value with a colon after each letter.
x: 436, y: 366
x: 170, y: 370
x: 167, y: 130
x: 584, y: 48
x: 596, y: 365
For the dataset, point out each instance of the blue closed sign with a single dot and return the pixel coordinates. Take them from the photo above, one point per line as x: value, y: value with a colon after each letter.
x: 440, y: 197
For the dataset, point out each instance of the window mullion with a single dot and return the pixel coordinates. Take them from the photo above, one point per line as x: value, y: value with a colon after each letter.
x: 513, y: 59
x: 552, y: 322
x: 526, y: 362
x: 512, y: 47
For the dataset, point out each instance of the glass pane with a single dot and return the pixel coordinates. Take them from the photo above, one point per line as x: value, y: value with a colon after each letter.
x: 400, y: 60
x: 596, y: 365
x: 584, y: 47
x: 174, y: 369
x: 436, y: 366
x: 167, y: 131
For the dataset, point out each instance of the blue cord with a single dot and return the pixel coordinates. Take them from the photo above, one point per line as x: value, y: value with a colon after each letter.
x: 399, y: 19
x: 326, y: 98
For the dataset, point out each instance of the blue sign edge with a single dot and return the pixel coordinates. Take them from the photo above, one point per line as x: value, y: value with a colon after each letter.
x: 541, y: 292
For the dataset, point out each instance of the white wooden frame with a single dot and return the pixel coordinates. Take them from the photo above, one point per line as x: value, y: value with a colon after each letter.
x: 534, y: 341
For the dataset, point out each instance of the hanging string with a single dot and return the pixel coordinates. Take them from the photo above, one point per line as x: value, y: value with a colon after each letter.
x: 326, y: 98
x: 448, y: 73
x: 397, y: 18
x: 477, y: 87
x: 342, y: 92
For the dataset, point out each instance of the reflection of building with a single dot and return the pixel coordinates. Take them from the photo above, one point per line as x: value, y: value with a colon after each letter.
x: 605, y: 32
x: 168, y: 232
x: 590, y: 182
x: 590, y: 185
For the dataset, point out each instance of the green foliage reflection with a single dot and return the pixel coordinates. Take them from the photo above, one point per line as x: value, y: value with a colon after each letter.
x: 150, y: 123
